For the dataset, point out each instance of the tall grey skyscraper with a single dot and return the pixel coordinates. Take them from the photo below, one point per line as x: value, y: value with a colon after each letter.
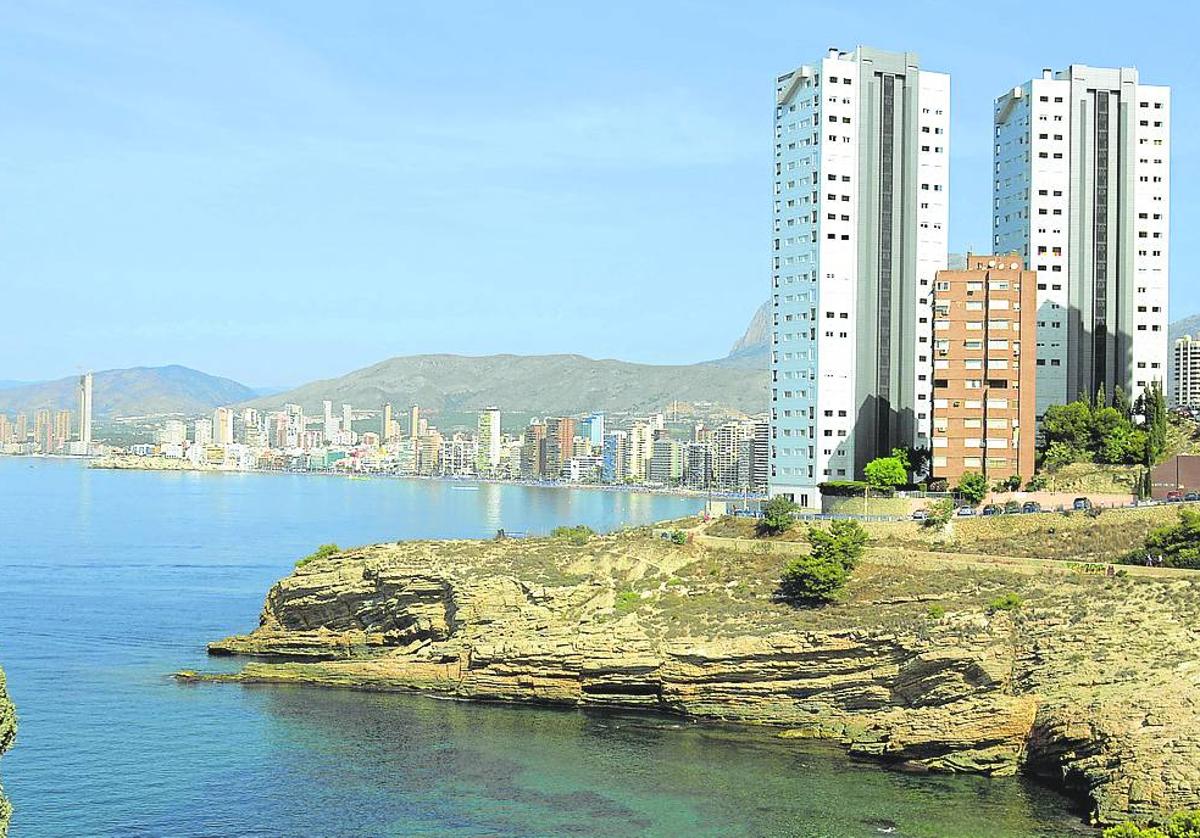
x: 85, y: 410
x: 860, y: 229
x: 1082, y: 192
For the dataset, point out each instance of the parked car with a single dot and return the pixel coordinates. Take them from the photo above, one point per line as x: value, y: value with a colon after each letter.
x: 1031, y: 506
x: 993, y: 509
x: 1174, y: 497
x: 964, y: 511
x: 1081, y: 503
x: 920, y: 515
x: 1192, y: 496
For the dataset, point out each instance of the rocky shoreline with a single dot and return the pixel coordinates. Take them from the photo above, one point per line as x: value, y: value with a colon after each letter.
x: 8, y: 730
x: 1090, y: 685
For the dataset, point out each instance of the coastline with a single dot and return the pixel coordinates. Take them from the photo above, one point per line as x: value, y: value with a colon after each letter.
x: 632, y: 622
x: 8, y: 731
x: 129, y: 462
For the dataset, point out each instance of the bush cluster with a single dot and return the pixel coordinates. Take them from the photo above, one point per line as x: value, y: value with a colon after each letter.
x: 1094, y: 431
x: 972, y: 488
x: 1005, y: 602
x: 778, y: 516
x: 577, y: 535
x: 1178, y: 544
x: 843, y: 488
x: 1179, y: 825
x: 821, y: 575
x: 321, y: 552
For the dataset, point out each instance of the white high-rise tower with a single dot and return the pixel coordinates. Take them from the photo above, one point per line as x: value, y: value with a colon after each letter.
x: 1082, y: 192
x: 488, y: 458
x: 860, y: 229
x: 85, y: 411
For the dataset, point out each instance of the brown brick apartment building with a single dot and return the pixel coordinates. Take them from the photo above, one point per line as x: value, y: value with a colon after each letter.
x: 984, y: 338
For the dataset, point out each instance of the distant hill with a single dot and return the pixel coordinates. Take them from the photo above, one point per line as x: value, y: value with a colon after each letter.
x: 537, y: 384
x: 1186, y: 326
x: 753, y: 349
x: 140, y: 391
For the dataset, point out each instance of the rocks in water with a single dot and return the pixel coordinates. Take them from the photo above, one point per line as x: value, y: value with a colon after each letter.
x: 1092, y: 684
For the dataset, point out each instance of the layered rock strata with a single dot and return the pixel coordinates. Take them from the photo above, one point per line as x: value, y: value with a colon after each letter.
x: 1091, y: 684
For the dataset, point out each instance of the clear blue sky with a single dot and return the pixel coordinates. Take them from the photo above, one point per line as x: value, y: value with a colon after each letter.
x: 280, y: 190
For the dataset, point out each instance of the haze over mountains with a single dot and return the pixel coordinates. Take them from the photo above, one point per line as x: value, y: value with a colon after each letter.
x: 140, y: 391
x: 550, y: 384
x: 537, y: 384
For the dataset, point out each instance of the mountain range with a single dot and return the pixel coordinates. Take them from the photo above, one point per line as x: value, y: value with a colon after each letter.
x: 140, y: 391
x: 536, y: 384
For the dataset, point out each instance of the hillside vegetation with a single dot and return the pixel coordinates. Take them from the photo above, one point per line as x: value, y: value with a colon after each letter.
x: 545, y: 384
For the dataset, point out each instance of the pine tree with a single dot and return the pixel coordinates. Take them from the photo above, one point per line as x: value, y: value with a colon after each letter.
x: 1121, y: 401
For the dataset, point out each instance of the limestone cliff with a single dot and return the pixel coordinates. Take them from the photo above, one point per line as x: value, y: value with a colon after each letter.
x: 1091, y: 684
x: 8, y: 730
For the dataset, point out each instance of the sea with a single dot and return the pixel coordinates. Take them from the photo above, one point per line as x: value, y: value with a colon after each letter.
x: 112, y: 580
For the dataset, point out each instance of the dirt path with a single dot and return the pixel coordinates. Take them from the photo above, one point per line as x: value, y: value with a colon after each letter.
x: 1019, y: 564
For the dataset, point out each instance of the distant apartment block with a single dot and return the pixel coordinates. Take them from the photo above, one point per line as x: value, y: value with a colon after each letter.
x: 984, y: 375
x: 666, y: 462
x: 1185, y: 390
x: 1081, y: 192
x: 860, y: 229
x: 222, y: 426
x: 488, y: 456
x: 560, y: 438
x: 615, y: 457
x: 533, y: 450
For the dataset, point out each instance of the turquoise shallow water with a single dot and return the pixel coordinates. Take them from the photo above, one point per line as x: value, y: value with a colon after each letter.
x: 111, y: 580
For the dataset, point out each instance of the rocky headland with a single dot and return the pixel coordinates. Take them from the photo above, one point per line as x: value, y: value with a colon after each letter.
x: 8, y: 730
x: 1091, y: 683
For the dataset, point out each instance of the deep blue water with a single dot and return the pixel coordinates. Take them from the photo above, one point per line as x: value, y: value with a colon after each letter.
x: 109, y: 581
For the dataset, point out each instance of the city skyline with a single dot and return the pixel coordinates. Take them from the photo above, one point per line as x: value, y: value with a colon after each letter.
x: 1081, y: 186
x: 599, y: 178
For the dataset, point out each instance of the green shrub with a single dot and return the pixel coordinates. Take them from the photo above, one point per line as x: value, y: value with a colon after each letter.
x: 627, y: 601
x: 1132, y: 830
x: 972, y: 487
x: 1178, y: 544
x: 886, y: 473
x: 1089, y: 430
x: 821, y: 575
x: 779, y: 514
x: 935, y: 612
x: 940, y: 513
x: 679, y: 537
x: 843, y: 488
x: 810, y: 579
x: 1037, y: 483
x: 578, y: 535
x: 1179, y: 825
x: 321, y: 552
x: 1005, y: 602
